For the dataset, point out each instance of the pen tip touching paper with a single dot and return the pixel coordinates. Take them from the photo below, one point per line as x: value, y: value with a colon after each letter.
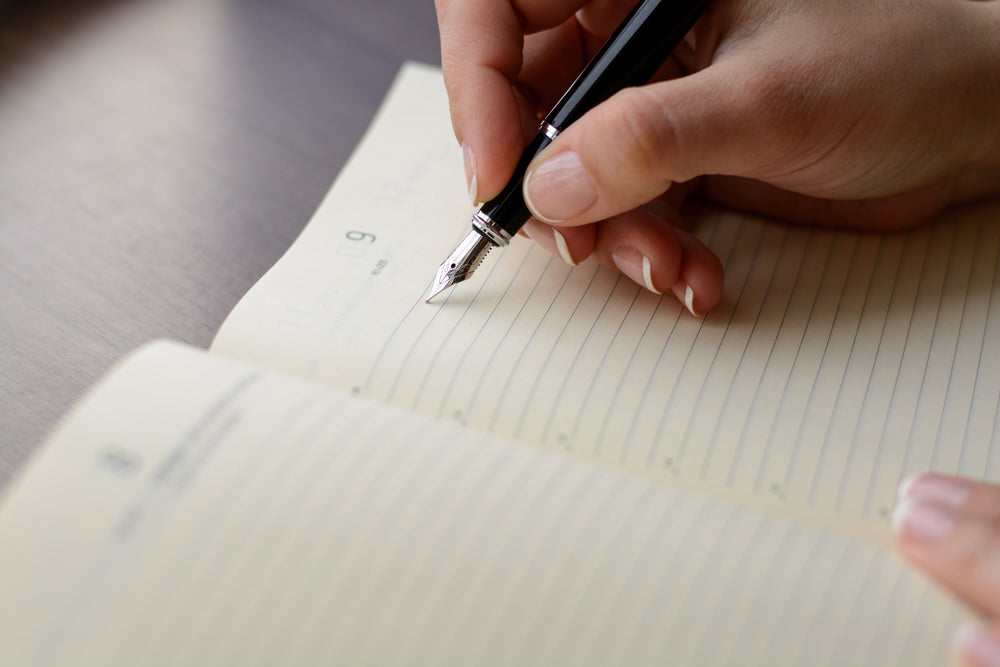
x: 461, y: 263
x: 436, y: 289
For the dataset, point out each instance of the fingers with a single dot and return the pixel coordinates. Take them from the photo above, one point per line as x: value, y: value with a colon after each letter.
x: 890, y: 213
x: 700, y: 280
x: 570, y: 245
x: 950, y: 528
x: 979, y: 646
x: 645, y: 247
x: 634, y: 146
x: 971, y: 496
x: 481, y: 44
x: 483, y: 54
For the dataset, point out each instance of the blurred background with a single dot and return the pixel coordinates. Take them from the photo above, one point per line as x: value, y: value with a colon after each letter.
x: 156, y: 157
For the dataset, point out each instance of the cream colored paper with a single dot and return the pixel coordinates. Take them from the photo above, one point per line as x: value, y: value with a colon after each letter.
x: 837, y: 364
x: 199, y: 511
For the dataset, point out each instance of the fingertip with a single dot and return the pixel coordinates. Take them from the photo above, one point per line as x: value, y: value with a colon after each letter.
x: 480, y: 69
x: 700, y: 282
x: 557, y: 188
x: 642, y: 246
x: 946, y: 489
x: 471, y: 178
x: 572, y: 245
x: 978, y: 645
x: 923, y: 522
x: 562, y: 247
x: 646, y: 246
x: 637, y: 266
x: 686, y: 295
x: 489, y: 130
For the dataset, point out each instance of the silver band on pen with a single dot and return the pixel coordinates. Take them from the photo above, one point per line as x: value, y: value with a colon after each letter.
x: 495, y: 233
x: 550, y: 131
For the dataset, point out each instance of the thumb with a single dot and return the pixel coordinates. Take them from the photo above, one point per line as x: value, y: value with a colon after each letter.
x: 632, y: 147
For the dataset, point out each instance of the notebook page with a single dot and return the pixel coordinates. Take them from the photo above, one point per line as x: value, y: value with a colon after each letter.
x: 220, y: 515
x: 837, y: 363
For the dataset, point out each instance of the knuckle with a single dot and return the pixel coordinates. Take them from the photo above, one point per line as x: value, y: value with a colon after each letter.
x: 648, y: 136
x: 771, y: 88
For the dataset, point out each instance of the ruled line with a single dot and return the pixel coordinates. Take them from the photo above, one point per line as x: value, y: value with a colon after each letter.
x: 809, y: 408
x: 630, y: 436
x: 782, y: 403
x: 955, y: 348
x: 923, y: 363
x: 617, y: 395
x: 534, y: 388
x: 712, y: 365
x: 740, y: 450
x: 861, y: 587
x: 713, y: 440
x: 588, y: 396
x: 910, y: 306
x: 655, y: 444
x: 442, y: 346
x: 977, y: 396
x: 777, y: 419
x: 925, y: 386
x: 988, y: 468
x: 576, y: 357
x: 377, y: 363
x: 827, y: 445
x: 513, y: 368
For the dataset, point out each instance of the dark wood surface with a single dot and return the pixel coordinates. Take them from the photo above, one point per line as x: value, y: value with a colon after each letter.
x: 156, y: 157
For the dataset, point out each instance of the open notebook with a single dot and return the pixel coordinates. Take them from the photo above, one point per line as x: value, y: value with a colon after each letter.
x: 548, y: 466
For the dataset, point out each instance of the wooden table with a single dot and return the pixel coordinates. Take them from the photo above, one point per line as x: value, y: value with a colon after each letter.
x: 156, y: 157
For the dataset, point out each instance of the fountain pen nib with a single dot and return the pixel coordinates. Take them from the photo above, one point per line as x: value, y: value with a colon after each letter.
x: 461, y: 263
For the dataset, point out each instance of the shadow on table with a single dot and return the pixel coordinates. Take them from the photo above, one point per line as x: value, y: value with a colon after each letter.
x: 28, y: 27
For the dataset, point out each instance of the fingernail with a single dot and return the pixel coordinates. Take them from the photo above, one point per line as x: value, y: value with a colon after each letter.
x: 471, y: 180
x: 923, y: 521
x: 636, y: 266
x: 685, y: 295
x: 563, y: 247
x: 939, y: 488
x: 978, y: 646
x: 559, y: 188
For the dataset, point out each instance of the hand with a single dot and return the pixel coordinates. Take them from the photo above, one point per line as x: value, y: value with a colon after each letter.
x: 949, y: 527
x: 874, y: 114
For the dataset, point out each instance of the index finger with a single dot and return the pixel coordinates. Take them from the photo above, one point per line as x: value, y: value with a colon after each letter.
x: 483, y: 56
x: 482, y: 47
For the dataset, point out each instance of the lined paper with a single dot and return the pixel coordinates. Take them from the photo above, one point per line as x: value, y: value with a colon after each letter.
x: 263, y: 520
x: 837, y: 363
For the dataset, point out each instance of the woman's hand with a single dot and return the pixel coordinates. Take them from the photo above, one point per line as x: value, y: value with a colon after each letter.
x: 949, y: 527
x: 874, y: 114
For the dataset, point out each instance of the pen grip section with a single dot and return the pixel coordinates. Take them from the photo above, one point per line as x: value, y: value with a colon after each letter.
x: 508, y: 209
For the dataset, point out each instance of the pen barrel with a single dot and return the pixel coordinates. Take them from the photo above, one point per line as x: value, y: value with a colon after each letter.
x: 630, y: 57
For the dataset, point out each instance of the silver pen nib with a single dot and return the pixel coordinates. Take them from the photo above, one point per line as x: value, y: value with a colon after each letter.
x: 461, y: 263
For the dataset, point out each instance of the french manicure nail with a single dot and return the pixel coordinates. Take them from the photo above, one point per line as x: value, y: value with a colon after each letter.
x: 689, y: 301
x: 939, y: 488
x: 471, y: 180
x: 636, y: 266
x: 559, y: 188
x: 921, y: 520
x: 685, y: 294
x: 978, y: 646
x: 563, y: 247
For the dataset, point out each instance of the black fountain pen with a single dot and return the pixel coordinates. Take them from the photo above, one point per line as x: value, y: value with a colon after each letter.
x: 630, y: 57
